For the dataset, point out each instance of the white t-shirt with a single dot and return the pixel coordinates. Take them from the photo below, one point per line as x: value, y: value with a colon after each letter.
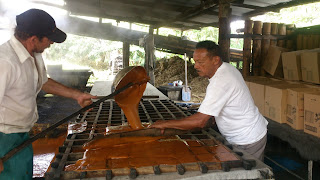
x: 228, y: 99
x: 21, y: 78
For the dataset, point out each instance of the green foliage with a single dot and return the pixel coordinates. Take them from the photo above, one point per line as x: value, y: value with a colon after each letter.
x: 207, y: 33
x: 301, y: 16
x: 80, y: 50
x: 136, y: 56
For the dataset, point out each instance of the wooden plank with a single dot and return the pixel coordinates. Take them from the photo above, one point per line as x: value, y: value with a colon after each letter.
x: 145, y: 170
x: 224, y: 31
x: 247, y: 49
x: 196, y: 10
x: 289, y: 42
x: 299, y: 41
x: 281, y: 31
x: 304, y: 41
x: 266, y: 30
x: 256, y: 49
x: 258, y: 36
x: 126, y: 54
x: 274, y: 31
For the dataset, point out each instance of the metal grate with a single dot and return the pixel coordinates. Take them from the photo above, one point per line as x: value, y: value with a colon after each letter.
x: 109, y: 114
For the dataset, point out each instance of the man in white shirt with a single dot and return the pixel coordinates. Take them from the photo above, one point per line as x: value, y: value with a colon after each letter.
x: 228, y: 100
x: 22, y: 76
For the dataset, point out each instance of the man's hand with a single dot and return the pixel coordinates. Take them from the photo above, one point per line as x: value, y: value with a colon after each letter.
x: 160, y: 124
x: 1, y: 166
x: 84, y: 99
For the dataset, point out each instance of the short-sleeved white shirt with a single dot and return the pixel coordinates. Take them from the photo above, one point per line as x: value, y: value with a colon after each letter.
x: 228, y: 99
x: 21, y: 78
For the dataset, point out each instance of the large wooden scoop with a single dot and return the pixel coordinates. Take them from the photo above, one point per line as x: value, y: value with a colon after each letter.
x: 129, y: 99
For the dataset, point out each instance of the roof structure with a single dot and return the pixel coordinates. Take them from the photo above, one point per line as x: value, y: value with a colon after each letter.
x: 182, y: 14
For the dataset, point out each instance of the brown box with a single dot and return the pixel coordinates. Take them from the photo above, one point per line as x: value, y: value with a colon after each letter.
x: 273, y: 63
x: 291, y: 62
x: 248, y: 84
x: 276, y: 101
x: 310, y: 67
x: 256, y: 78
x: 295, y: 107
x: 257, y: 90
x: 312, y: 113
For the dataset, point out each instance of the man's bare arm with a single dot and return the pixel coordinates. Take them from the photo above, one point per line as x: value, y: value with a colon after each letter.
x: 197, y: 120
x: 53, y: 87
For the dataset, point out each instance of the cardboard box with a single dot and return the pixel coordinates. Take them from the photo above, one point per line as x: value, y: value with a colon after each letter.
x: 256, y: 78
x: 257, y: 90
x: 291, y: 62
x: 312, y: 113
x: 295, y: 107
x: 248, y: 84
x: 276, y: 101
x: 273, y: 62
x: 310, y: 67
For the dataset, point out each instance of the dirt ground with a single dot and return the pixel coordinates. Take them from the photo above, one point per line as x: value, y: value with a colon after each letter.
x: 169, y: 70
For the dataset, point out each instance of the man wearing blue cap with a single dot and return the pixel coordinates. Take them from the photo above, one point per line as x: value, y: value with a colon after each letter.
x: 22, y: 76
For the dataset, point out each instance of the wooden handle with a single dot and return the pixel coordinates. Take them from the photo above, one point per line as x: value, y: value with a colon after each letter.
x: 142, y: 132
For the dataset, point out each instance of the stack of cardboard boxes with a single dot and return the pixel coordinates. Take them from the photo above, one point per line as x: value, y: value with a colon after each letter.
x: 290, y: 100
x: 295, y: 104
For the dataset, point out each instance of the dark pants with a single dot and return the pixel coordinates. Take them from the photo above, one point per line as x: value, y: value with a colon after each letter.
x: 256, y: 149
x: 19, y: 166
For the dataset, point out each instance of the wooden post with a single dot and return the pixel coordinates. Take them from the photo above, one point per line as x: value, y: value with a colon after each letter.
x: 149, y: 55
x: 299, y: 41
x: 310, y: 42
x: 274, y: 31
x: 266, y: 30
x: 247, y: 49
x: 224, y: 30
x: 256, y: 49
x: 316, y: 41
x: 290, y: 42
x: 281, y: 31
x: 304, y: 41
x: 125, y: 54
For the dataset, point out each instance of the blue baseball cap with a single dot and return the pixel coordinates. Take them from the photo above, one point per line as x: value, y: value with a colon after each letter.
x: 39, y: 22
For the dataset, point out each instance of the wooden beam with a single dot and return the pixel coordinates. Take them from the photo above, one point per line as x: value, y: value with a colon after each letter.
x: 274, y: 31
x: 206, y: 11
x: 248, y: 6
x: 282, y: 31
x: 126, y: 54
x: 232, y: 17
x: 256, y: 49
x: 94, y: 10
x: 196, y: 25
x: 140, y: 3
x: 224, y: 30
x: 290, y: 42
x: 265, y: 44
x: 247, y: 49
x: 189, y: 12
